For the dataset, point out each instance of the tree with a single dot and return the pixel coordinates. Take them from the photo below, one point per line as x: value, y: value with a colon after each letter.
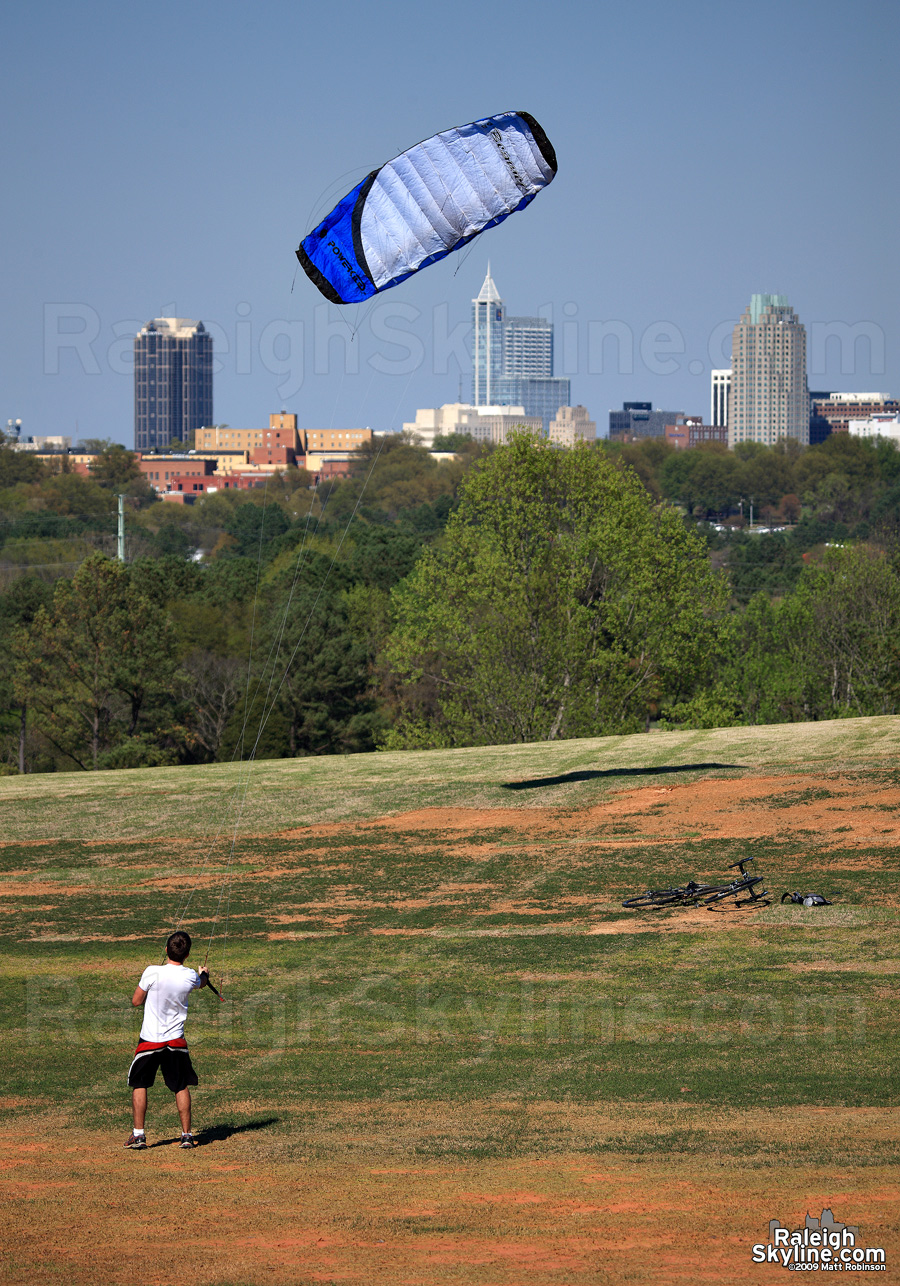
x: 451, y: 441
x: 89, y: 665
x: 253, y: 526
x: 72, y: 494
x: 18, y: 608
x: 211, y: 687
x: 18, y: 466
x: 850, y: 603
x: 118, y: 470
x: 561, y: 603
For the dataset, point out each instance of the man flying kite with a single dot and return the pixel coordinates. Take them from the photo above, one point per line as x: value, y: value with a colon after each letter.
x: 163, y: 991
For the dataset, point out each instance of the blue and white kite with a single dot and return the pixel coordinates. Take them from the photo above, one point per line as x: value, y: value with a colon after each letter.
x: 425, y: 203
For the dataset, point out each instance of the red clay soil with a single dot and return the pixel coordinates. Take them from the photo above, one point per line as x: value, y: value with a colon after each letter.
x: 78, y: 1207
x: 846, y: 811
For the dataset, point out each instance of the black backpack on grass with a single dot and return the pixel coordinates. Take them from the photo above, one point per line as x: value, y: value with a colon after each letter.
x: 806, y: 899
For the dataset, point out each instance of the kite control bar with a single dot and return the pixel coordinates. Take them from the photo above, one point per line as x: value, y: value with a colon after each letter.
x: 214, y: 990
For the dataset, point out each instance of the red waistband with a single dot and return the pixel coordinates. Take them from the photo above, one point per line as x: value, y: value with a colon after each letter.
x: 145, y: 1046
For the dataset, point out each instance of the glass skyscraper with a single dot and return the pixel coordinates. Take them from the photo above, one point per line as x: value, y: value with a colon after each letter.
x: 512, y: 359
x: 173, y: 394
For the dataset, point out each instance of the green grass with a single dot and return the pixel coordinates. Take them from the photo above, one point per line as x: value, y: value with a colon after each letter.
x: 156, y: 803
x: 490, y: 986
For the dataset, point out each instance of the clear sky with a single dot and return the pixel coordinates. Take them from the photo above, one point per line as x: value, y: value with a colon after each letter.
x: 167, y: 158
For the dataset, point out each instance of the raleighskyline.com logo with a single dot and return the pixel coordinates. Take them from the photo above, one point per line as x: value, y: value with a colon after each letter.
x: 821, y: 1245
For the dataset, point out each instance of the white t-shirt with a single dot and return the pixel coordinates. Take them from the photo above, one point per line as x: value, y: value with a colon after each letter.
x: 165, y: 1009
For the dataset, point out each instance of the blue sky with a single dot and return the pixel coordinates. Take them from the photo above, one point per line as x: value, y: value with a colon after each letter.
x: 169, y: 158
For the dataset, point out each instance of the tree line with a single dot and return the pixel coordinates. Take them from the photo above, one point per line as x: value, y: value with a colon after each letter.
x: 511, y: 594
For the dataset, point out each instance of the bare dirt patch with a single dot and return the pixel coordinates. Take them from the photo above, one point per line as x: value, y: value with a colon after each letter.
x: 840, y: 810
x: 249, y: 1209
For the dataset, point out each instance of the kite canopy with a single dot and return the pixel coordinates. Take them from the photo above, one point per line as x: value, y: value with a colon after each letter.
x: 425, y: 203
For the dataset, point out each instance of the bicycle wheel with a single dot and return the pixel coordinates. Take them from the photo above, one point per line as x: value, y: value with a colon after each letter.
x: 655, y: 897
x: 716, y: 902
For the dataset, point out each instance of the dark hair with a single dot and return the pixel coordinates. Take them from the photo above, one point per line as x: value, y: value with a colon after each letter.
x: 178, y: 946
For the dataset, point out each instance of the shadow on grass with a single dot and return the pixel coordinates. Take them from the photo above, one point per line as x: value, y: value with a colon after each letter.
x: 589, y: 774
x: 218, y: 1133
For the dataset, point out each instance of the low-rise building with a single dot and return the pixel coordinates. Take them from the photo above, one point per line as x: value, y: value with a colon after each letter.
x: 282, y: 432
x: 877, y: 426
x: 572, y: 425
x: 832, y: 412
x: 317, y: 441
x: 43, y: 443
x: 639, y: 420
x: 483, y: 423
x: 161, y: 471
x: 693, y: 433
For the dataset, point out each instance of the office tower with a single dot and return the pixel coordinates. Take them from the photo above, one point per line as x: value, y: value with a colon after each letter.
x: 769, y: 396
x: 720, y: 390
x: 173, y: 360
x: 512, y: 359
x: 487, y: 340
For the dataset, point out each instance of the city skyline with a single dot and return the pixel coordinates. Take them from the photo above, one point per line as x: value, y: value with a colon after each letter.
x: 512, y: 358
x: 642, y: 253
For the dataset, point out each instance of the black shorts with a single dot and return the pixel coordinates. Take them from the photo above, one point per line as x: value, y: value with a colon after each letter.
x: 177, y: 1069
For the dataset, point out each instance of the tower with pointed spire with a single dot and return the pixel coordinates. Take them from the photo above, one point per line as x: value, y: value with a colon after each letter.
x: 512, y: 358
x: 487, y: 342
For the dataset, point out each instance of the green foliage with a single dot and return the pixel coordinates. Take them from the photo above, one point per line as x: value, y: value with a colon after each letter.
x: 91, y: 663
x: 141, y: 751
x: 560, y: 604
x: 502, y: 595
x: 18, y: 466
x: 311, y: 688
x: 766, y: 562
x: 451, y: 441
x: 828, y: 650
x: 72, y: 494
x: 253, y: 526
x: 383, y: 556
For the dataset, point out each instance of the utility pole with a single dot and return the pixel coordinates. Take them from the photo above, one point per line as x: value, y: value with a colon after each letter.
x: 120, y: 544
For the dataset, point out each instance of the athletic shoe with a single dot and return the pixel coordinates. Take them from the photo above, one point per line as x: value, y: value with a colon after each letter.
x: 188, y: 1141
x: 136, y: 1141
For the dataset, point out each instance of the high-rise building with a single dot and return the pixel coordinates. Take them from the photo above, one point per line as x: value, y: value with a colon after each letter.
x: 512, y: 359
x: 769, y: 396
x: 173, y: 384
x: 487, y: 342
x: 720, y: 391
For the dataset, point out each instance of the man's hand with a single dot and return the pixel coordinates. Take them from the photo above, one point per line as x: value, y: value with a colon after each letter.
x: 204, y: 976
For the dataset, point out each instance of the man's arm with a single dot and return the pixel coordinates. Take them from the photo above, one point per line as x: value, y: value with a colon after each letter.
x: 203, y: 974
x: 139, y: 997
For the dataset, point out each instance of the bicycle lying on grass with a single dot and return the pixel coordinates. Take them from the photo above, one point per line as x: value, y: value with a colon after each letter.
x: 715, y: 896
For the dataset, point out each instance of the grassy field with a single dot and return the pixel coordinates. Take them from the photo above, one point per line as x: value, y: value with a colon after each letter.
x: 446, y: 1052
